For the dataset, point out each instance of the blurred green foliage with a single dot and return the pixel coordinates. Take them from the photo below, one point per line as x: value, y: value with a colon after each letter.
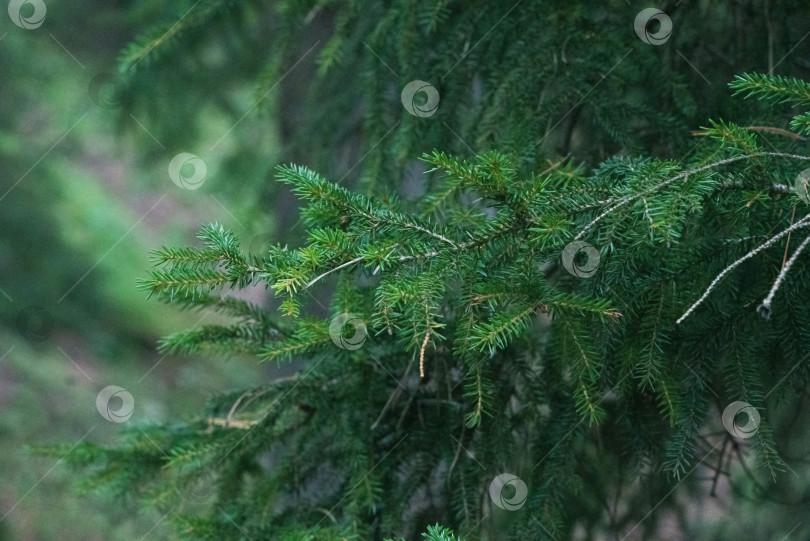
x: 247, y: 84
x: 84, y: 196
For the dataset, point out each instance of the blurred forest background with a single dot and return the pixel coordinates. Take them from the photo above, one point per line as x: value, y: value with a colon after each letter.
x: 92, y: 112
x: 85, y: 196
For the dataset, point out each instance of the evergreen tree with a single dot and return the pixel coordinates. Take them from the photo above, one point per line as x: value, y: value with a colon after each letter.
x: 529, y: 348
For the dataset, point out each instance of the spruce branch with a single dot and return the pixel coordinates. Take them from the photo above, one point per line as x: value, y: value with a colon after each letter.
x: 531, y: 353
x: 477, y: 259
x: 184, y: 282
x: 682, y: 176
x: 182, y: 257
x: 774, y: 89
x: 422, y: 354
x: 778, y: 131
x: 330, y: 271
x: 764, y: 309
x: 804, y: 222
x: 242, y: 424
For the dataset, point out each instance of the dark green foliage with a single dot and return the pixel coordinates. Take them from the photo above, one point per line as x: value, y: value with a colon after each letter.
x: 521, y: 359
x: 438, y: 533
x: 481, y: 350
x: 534, y: 79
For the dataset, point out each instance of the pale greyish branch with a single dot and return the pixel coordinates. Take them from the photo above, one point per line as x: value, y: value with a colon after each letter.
x: 684, y: 175
x: 647, y: 210
x: 429, y: 232
x: 232, y: 423
x: 407, y: 224
x: 394, y: 247
x: 780, y: 188
x: 346, y: 264
x: 804, y: 222
x: 764, y: 309
x: 605, y: 213
x: 594, y: 204
x: 456, y: 247
x: 418, y: 256
x: 743, y: 239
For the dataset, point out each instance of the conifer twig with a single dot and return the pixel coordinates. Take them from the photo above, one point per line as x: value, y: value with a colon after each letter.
x: 764, y: 309
x: 377, y: 268
x: 425, y: 341
x: 787, y: 244
x: 429, y: 232
x: 346, y: 264
x: 230, y: 423
x: 684, y: 175
x: 778, y: 131
x: 422, y: 354
x: 804, y: 222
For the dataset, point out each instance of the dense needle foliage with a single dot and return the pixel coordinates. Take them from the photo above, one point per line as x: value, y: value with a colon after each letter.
x: 582, y: 326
